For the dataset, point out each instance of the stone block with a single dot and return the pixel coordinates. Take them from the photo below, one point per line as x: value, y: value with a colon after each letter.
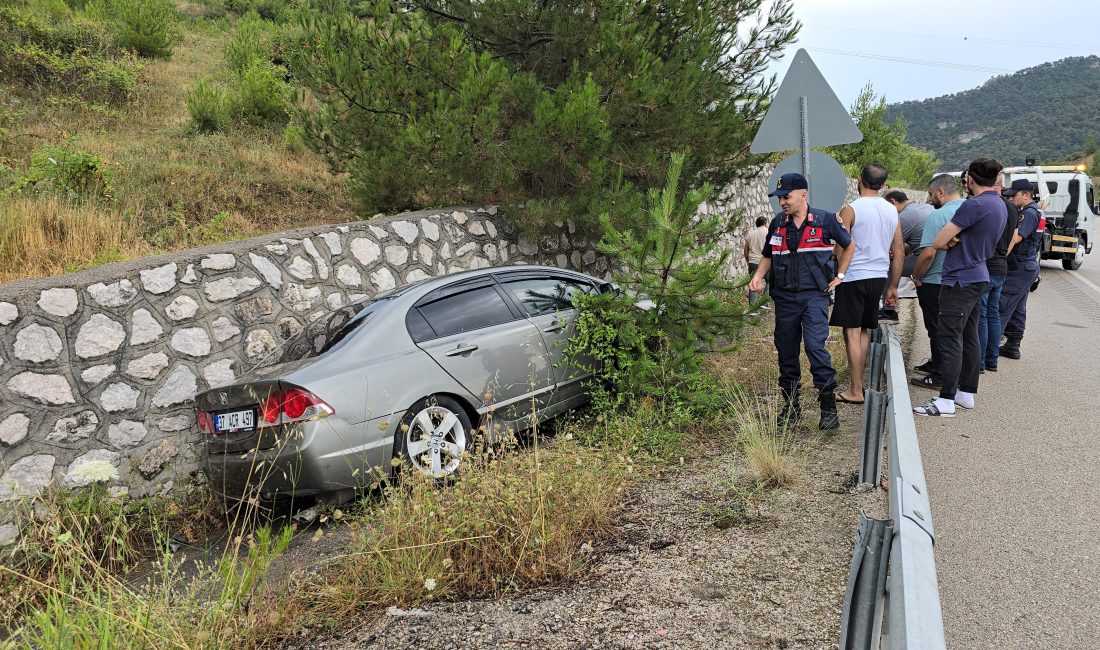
x: 183, y: 307
x: 179, y: 387
x: 268, y: 269
x: 300, y: 268
x: 98, y: 336
x: 118, y: 397
x: 174, y: 423
x: 365, y: 250
x: 159, y: 280
x: 8, y: 313
x: 406, y: 230
x: 219, y: 373
x: 332, y: 242
x: 322, y: 265
x: 59, y: 302
x: 126, y: 433
x: 42, y: 388
x: 383, y: 279
x: 258, y: 343
x: 144, y: 328
x: 37, y: 344
x: 397, y: 255
x: 230, y: 288
x: 224, y: 329
x: 218, y: 262
x: 148, y: 366
x: 13, y: 429
x: 252, y: 310
x: 76, y: 427
x: 96, y: 374
x: 156, y: 458
x: 115, y: 294
x: 348, y: 275
x: 192, y: 341
x: 26, y: 477
x: 430, y: 228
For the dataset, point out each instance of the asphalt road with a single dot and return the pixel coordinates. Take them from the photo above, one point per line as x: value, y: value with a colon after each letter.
x: 1015, y: 484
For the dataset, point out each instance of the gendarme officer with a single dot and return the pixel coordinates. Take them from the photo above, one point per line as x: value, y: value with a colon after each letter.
x: 799, y: 260
x: 1023, y: 264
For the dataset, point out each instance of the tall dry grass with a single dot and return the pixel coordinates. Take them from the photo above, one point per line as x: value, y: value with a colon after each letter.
x: 770, y: 450
x: 42, y: 235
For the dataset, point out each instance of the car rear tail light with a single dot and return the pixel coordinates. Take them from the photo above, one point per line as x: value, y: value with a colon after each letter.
x: 206, y: 421
x: 290, y: 406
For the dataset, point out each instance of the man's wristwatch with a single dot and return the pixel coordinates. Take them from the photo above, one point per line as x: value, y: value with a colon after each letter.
x: 840, y: 276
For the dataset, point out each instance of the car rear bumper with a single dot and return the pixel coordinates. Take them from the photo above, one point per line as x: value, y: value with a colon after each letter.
x: 310, y: 458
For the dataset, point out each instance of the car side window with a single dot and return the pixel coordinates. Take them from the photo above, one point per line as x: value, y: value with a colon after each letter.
x: 540, y: 296
x: 467, y: 311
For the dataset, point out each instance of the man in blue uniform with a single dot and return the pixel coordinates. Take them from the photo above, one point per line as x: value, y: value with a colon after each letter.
x: 1023, y: 264
x: 798, y: 259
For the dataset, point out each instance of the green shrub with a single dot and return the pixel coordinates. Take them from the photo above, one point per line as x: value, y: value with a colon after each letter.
x: 209, y: 108
x: 274, y: 10
x: 68, y: 171
x: 252, y: 42
x: 146, y: 27
x: 262, y: 96
x: 91, y: 78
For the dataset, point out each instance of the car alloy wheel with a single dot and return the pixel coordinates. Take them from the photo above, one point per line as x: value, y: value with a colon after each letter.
x: 435, y: 433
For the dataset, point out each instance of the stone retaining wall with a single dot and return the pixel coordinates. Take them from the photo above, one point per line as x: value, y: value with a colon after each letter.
x: 98, y: 369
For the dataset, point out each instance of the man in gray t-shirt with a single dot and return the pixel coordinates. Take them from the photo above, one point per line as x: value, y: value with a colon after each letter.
x: 913, y: 216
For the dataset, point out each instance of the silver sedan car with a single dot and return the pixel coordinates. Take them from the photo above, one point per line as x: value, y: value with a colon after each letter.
x: 410, y: 375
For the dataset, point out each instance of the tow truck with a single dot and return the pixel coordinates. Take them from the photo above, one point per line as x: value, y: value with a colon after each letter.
x: 1066, y: 195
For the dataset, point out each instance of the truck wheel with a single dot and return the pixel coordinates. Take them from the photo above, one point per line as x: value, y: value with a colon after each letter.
x: 1075, y: 262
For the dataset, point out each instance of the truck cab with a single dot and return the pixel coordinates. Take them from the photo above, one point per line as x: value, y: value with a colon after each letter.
x: 1070, y: 210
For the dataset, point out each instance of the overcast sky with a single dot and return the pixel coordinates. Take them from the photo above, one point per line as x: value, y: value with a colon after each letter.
x: 961, y: 43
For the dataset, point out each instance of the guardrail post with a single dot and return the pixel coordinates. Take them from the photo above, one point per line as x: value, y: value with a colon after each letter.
x: 870, y: 448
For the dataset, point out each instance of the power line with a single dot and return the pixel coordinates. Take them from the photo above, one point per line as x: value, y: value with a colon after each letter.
x: 938, y: 64
x: 971, y: 39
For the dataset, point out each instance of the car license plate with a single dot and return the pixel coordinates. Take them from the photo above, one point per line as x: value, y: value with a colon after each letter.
x: 234, y: 421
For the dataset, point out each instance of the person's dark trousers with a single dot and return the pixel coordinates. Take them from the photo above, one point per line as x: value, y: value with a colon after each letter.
x: 928, y: 296
x: 1014, y: 300
x: 989, y: 322
x: 958, y: 334
x: 803, y: 317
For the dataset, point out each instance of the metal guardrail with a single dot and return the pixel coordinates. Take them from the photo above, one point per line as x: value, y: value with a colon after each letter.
x: 893, y: 574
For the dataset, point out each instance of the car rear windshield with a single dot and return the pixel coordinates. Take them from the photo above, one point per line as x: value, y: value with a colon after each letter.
x: 323, y: 334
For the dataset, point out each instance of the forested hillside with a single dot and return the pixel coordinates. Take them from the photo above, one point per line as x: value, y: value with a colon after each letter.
x: 1050, y: 112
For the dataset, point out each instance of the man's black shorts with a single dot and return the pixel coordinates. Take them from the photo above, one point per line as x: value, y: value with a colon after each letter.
x: 856, y: 303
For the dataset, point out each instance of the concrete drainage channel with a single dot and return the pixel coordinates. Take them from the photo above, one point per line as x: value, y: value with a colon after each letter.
x: 893, y: 599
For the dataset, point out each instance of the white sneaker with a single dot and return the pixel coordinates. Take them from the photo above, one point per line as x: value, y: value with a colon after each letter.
x: 937, y: 407
x: 964, y: 400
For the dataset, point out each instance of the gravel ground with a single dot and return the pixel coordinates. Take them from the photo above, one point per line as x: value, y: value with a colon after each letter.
x: 688, y: 567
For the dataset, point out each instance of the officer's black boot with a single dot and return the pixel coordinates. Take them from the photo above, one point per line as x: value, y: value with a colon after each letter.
x: 1011, y: 349
x: 830, y: 419
x: 791, y: 412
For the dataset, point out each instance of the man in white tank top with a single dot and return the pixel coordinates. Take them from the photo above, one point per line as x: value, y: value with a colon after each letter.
x: 877, y: 262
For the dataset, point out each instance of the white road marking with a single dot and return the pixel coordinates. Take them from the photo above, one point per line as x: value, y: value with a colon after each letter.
x: 1088, y: 283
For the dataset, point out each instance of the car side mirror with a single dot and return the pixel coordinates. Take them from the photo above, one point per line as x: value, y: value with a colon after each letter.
x: 610, y: 287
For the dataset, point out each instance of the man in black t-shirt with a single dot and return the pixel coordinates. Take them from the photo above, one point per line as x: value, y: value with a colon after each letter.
x: 989, y: 321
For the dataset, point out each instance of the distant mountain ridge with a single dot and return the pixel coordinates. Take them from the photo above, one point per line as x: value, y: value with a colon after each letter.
x: 1046, y: 112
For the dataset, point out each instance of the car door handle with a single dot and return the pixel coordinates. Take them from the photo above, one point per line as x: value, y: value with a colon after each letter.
x: 462, y: 349
x: 556, y: 327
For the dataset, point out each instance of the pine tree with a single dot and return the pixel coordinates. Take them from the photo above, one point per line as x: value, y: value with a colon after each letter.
x: 567, y: 106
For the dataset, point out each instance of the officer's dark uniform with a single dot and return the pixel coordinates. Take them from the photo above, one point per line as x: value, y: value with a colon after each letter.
x: 802, y: 266
x: 1021, y: 273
